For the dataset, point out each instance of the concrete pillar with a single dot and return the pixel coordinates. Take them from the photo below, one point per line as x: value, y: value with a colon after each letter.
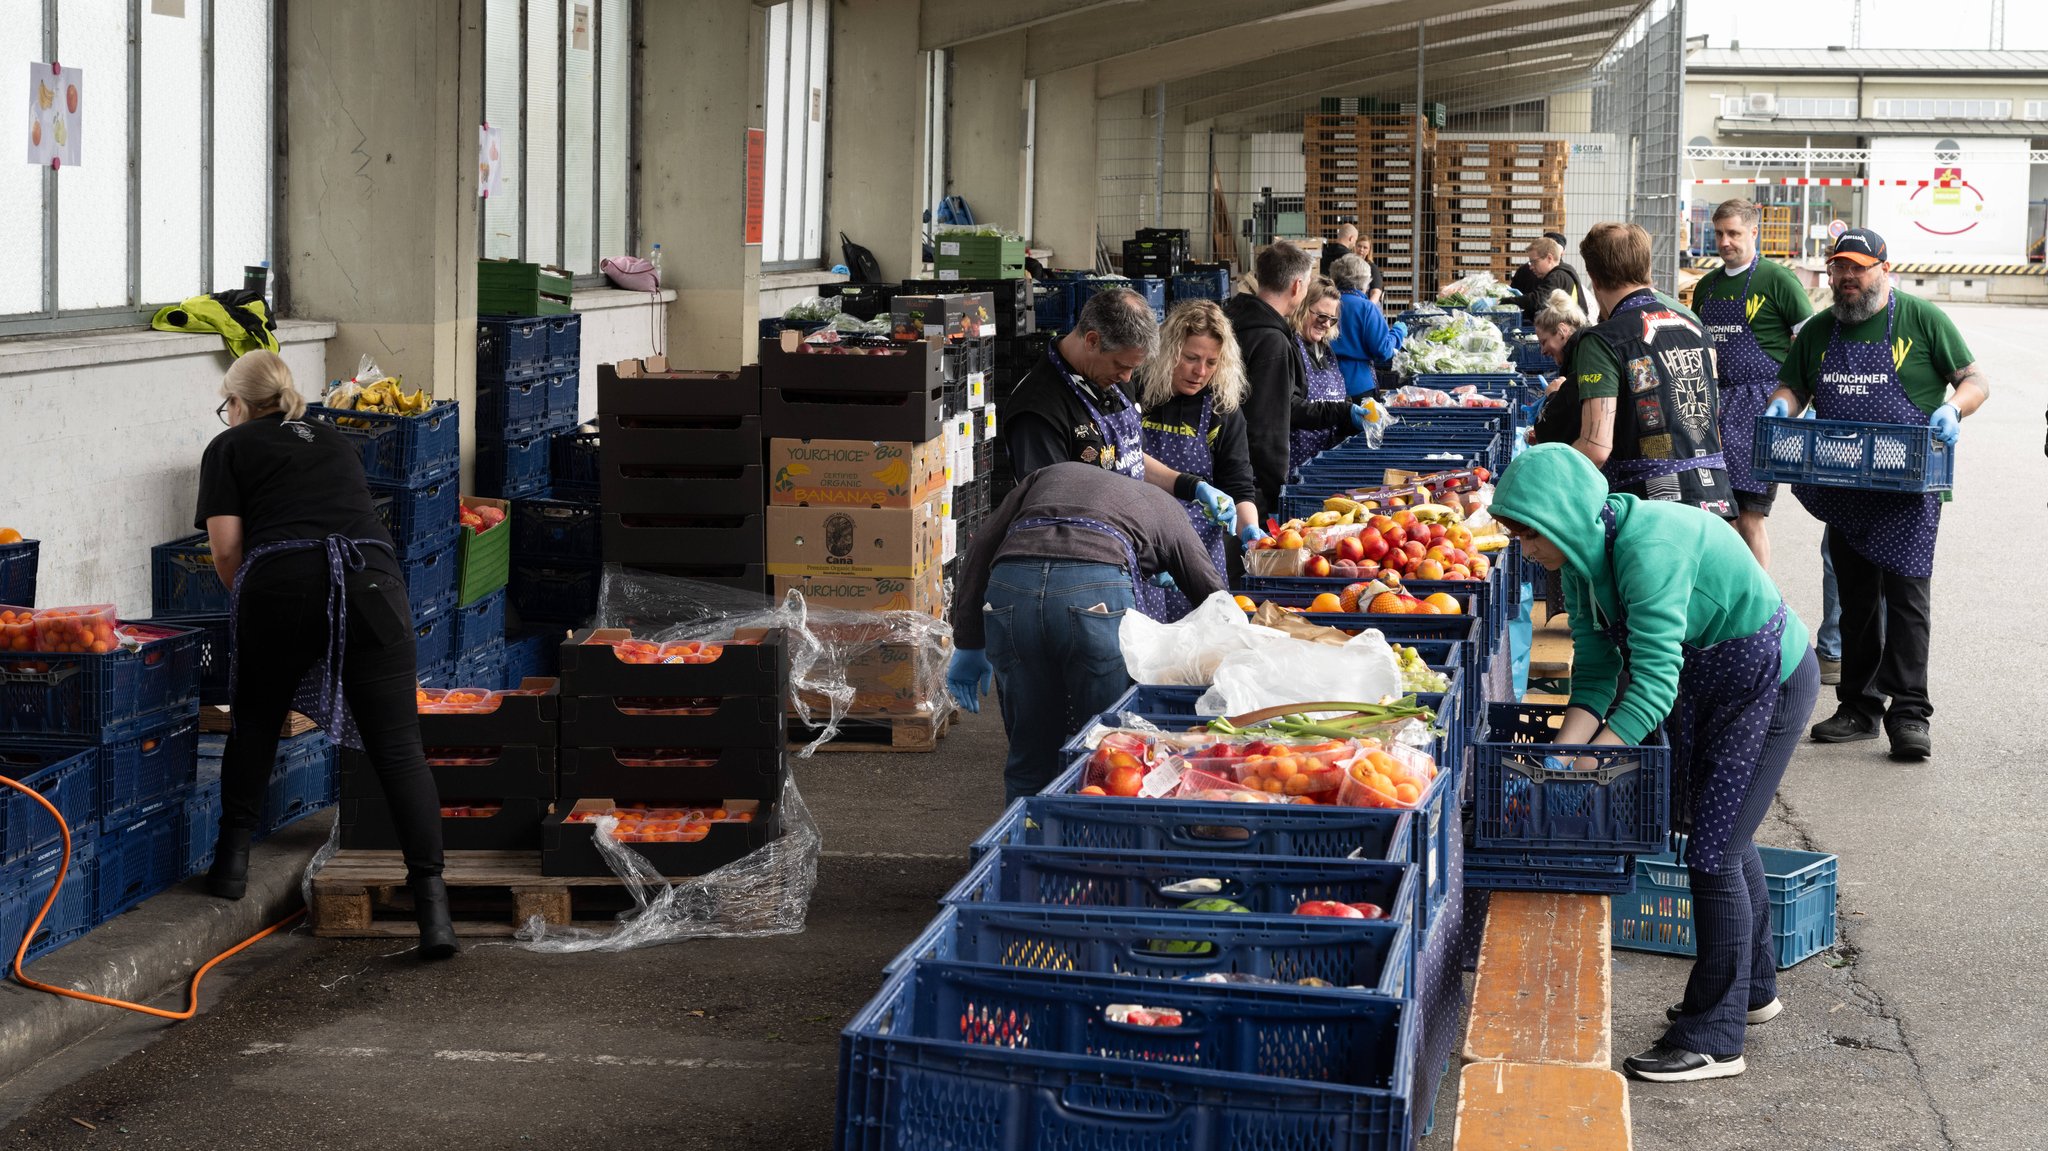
x: 988, y: 128
x: 1064, y: 201
x: 379, y: 226
x: 699, y: 70
x: 873, y: 188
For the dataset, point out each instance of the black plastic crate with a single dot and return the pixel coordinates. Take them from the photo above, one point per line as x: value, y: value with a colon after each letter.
x: 366, y: 825
x: 18, y: 573
x: 573, y: 463
x: 861, y: 301
x: 557, y: 530
x: 716, y: 721
x: 711, y: 489
x: 514, y: 719
x: 465, y: 771
x: 670, y: 774
x: 555, y: 593
x: 215, y: 654
x: 201, y: 828
x: 678, y: 393
x: 569, y: 849
x: 697, y: 441
x: 641, y: 538
x: 400, y: 449
x: 182, y: 580
x: 591, y: 667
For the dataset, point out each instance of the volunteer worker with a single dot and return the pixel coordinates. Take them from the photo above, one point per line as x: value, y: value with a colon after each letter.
x: 1192, y: 392
x: 320, y: 621
x: 1072, y: 404
x: 1668, y: 595
x: 1321, y: 415
x: 1648, y: 416
x: 1041, y: 598
x: 1880, y: 356
x: 1752, y: 307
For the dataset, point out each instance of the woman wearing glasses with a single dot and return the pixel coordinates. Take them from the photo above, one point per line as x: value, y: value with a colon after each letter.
x: 298, y: 543
x: 1323, y: 416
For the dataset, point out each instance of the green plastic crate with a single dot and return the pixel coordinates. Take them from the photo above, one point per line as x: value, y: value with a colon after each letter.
x: 513, y: 288
x: 978, y: 257
x: 486, y: 559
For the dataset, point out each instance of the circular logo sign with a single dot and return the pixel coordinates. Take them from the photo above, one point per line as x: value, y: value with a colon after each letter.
x: 1836, y: 228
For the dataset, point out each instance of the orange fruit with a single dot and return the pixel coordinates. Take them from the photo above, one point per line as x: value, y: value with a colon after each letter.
x: 1386, y: 603
x: 1426, y: 608
x: 1326, y: 602
x: 9, y: 536
x: 1244, y: 603
x: 1444, y: 603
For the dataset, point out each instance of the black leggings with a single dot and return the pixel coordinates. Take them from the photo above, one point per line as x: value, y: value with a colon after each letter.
x: 282, y: 632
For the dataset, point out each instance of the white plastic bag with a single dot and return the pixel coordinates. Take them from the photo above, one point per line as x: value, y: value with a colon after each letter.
x: 1187, y: 652
x: 1297, y: 671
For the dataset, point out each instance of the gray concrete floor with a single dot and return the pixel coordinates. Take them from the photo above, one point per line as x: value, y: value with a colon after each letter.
x: 1917, y: 1032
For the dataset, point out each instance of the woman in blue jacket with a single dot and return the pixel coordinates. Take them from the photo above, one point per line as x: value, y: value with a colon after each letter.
x: 1364, y: 338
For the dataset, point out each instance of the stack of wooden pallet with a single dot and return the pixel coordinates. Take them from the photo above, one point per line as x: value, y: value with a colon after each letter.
x: 1492, y: 197
x: 1370, y: 170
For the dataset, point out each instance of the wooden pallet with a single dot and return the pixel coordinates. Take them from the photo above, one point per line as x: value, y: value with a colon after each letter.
x: 1503, y: 149
x: 363, y: 895
x: 887, y: 733
x: 216, y: 719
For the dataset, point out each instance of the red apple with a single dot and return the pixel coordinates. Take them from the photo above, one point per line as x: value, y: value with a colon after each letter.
x: 1328, y: 907
x: 1369, y: 910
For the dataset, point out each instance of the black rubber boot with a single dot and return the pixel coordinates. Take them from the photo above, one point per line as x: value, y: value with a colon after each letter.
x: 430, y: 907
x: 229, y: 878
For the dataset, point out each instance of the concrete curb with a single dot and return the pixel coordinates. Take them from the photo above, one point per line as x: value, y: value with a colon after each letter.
x: 148, y: 951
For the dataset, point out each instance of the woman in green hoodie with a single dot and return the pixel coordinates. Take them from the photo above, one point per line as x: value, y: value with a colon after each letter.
x: 1665, y: 593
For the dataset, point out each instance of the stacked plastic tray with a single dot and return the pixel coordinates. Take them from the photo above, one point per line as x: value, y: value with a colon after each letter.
x: 528, y: 372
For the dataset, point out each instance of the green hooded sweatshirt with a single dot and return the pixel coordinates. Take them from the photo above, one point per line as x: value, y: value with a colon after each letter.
x: 1683, y: 575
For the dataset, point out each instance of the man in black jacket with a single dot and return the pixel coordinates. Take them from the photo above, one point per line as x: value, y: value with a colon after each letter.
x: 1273, y: 364
x: 1547, y: 273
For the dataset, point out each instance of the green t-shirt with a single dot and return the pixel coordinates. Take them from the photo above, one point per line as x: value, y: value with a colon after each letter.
x: 1594, y: 368
x: 1926, y: 350
x: 1776, y: 303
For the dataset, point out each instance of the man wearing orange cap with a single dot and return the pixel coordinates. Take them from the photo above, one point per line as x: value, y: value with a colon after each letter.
x: 1880, y: 356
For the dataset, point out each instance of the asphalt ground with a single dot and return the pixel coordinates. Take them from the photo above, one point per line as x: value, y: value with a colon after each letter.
x: 1918, y: 1031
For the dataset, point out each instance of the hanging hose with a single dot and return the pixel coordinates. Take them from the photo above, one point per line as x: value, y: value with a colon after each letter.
x: 21, y: 952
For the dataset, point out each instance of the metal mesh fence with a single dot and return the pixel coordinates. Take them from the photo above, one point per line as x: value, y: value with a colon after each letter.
x: 1535, y: 116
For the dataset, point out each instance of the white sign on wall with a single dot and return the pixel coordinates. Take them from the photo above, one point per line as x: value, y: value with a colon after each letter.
x: 1973, y: 206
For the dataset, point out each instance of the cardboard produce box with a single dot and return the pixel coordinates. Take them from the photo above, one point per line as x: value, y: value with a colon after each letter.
x: 889, y: 677
x: 876, y: 542
x: 854, y: 473
x: 925, y: 594
x: 955, y: 316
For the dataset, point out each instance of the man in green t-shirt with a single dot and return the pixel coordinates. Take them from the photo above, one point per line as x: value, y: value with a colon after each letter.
x: 1880, y: 356
x: 1752, y: 308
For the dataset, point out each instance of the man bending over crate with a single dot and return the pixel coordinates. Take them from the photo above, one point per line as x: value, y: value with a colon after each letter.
x: 1880, y: 356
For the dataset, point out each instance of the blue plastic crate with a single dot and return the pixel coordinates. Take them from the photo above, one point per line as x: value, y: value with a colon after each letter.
x: 512, y: 347
x: 1053, y: 304
x: 1623, y: 804
x: 18, y: 573
x: 1528, y: 356
x: 74, y: 697
x: 513, y: 469
x: 1209, y: 285
x: 565, y: 400
x: 1854, y: 455
x: 434, y: 640
x: 72, y: 915
x: 482, y: 667
x: 302, y: 783
x: 201, y: 829
x: 182, y: 580
x: 401, y: 449
x: 140, y: 771
x: 535, y: 653
x: 437, y: 675
x: 1152, y: 288
x: 510, y: 409
x: 432, y: 582
x: 1656, y: 914
x: 565, y: 343
x: 1589, y: 873
x: 1184, y: 825
x: 558, y: 529
x: 69, y: 777
x: 421, y: 519
x: 215, y: 654
x: 140, y: 857
x: 480, y: 623
x: 967, y: 1058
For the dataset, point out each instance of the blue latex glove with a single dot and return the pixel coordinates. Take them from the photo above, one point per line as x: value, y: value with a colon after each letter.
x: 1250, y: 534
x: 1947, y: 424
x: 1778, y: 408
x: 1221, y: 509
x: 1560, y: 763
x: 1163, y: 579
x: 1358, y: 417
x: 969, y: 678
x: 1400, y: 330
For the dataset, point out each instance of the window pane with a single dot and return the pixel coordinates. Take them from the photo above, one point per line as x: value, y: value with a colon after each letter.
x: 241, y: 139
x: 811, y: 242
x: 774, y: 193
x: 543, y: 112
x: 501, y: 111
x: 170, y: 157
x: 615, y: 96
x: 579, y: 178
x: 21, y: 198
x: 92, y: 198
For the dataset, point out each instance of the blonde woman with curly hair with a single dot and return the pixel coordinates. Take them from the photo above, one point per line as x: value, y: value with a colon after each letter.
x: 1191, y: 393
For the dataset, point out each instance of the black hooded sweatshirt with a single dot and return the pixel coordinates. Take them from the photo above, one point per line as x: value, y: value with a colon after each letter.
x: 1277, y: 398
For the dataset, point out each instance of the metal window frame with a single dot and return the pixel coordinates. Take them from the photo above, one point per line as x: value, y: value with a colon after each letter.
x: 50, y: 318
x: 629, y: 171
x: 796, y: 177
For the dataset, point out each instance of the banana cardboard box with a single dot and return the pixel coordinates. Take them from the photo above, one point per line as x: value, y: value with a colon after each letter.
x: 925, y: 594
x: 854, y: 473
x: 855, y: 541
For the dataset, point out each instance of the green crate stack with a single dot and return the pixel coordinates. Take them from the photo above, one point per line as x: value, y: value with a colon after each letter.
x: 512, y: 288
x: 979, y: 257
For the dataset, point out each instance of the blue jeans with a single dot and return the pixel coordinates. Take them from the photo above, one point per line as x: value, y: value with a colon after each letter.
x: 1827, y: 642
x: 1058, y: 660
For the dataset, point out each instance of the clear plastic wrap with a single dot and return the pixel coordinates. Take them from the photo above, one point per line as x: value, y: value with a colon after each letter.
x: 1465, y: 345
x: 765, y: 893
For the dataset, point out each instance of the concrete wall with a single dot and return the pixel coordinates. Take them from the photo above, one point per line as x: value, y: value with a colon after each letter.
x: 988, y: 128
x: 618, y: 326
x: 105, y: 435
x: 876, y: 145
x: 1065, y: 198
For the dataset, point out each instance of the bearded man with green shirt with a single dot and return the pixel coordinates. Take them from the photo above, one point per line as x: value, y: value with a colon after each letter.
x: 1752, y: 307
x: 1880, y: 356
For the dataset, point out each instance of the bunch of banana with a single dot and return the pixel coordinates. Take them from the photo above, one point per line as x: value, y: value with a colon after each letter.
x: 1437, y: 514
x: 1330, y: 519
x: 387, y: 396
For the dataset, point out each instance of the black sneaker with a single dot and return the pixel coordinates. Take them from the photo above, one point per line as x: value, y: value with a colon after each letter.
x: 1764, y: 1014
x: 1667, y: 1064
x: 1911, y: 740
x: 1848, y: 726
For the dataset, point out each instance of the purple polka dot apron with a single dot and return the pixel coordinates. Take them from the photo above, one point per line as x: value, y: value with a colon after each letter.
x: 1748, y: 376
x: 319, y: 696
x: 1325, y: 385
x: 1122, y: 439
x: 1727, y: 694
x: 1183, y: 453
x: 1086, y: 524
x: 1894, y: 530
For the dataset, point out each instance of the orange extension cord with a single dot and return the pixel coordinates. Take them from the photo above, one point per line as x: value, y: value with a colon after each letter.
x: 192, y: 997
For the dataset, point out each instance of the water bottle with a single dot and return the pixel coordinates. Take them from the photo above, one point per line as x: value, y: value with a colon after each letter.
x: 654, y: 257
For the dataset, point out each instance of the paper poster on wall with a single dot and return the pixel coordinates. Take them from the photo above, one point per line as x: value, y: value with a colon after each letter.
x: 1966, y: 202
x: 757, y: 181
x: 167, y: 8
x: 490, y: 163
x: 55, y: 114
x: 579, y: 28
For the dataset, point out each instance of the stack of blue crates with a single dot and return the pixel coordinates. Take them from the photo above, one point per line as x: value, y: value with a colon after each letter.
x: 302, y: 782
x: 527, y: 386
x: 480, y: 642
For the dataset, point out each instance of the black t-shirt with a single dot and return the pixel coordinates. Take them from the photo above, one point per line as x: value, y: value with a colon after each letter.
x: 287, y: 481
x: 1044, y: 421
